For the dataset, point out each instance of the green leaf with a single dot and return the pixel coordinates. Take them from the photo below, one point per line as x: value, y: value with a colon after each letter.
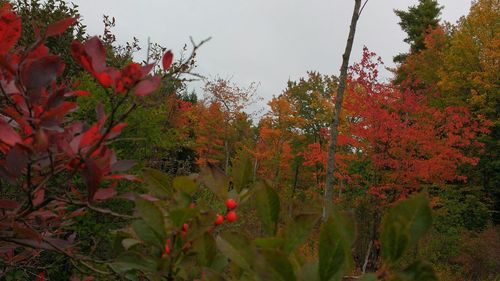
x: 237, y: 248
x: 157, y: 182
x: 403, y: 226
x: 181, y: 216
x: 309, y: 272
x: 206, y: 250
x: 133, y: 261
x: 269, y: 242
x: 152, y: 215
x: 267, y: 203
x: 211, y: 275
x: 418, y: 271
x: 213, y: 178
x: 185, y: 184
x: 241, y: 172
x: 297, y: 231
x: 368, y: 277
x: 335, y: 241
x: 274, y: 265
x: 129, y: 242
x: 147, y: 234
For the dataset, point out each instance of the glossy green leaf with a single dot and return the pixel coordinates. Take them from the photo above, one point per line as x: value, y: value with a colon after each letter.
x: 213, y: 178
x: 206, y: 250
x: 211, y: 275
x: 403, y: 226
x: 181, y: 216
x: 269, y: 242
x: 147, y: 234
x: 297, y: 231
x: 241, y: 172
x: 368, y: 277
x: 336, y: 238
x: 129, y: 242
x: 237, y: 248
x: 152, y: 215
x: 309, y: 272
x: 157, y: 182
x: 418, y: 271
x: 133, y: 261
x: 185, y: 184
x: 274, y: 265
x: 267, y: 203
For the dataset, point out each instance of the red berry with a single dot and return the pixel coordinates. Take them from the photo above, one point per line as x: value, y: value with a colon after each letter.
x: 192, y: 205
x: 185, y: 227
x: 167, y: 248
x: 219, y: 220
x: 231, y: 204
x: 231, y: 216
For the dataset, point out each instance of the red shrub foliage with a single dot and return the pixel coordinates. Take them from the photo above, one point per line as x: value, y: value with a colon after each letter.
x: 45, y: 155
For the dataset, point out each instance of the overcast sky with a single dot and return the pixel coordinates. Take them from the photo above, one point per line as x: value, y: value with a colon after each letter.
x: 263, y: 41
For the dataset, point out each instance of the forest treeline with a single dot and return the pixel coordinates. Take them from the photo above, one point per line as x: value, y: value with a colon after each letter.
x: 112, y: 169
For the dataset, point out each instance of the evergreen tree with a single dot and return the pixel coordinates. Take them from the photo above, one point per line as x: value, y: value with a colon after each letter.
x: 415, y: 22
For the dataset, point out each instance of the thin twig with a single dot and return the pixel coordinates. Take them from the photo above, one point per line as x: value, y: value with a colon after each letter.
x: 362, y: 7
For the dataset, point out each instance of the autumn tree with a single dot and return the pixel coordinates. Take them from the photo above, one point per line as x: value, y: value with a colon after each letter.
x: 458, y: 67
x: 221, y: 125
x: 409, y: 142
x: 277, y: 130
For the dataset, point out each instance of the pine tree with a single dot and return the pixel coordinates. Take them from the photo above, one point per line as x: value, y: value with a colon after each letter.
x: 415, y: 22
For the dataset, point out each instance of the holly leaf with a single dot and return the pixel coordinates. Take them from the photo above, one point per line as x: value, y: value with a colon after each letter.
x: 267, y: 203
x: 403, y: 226
x: 335, y: 241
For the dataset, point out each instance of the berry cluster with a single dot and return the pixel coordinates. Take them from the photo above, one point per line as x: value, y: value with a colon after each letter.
x: 230, y: 215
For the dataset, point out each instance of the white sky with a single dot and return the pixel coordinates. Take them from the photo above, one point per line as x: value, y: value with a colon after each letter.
x: 263, y: 41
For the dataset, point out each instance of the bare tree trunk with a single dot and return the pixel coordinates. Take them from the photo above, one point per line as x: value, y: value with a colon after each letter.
x: 255, y: 167
x: 226, y: 148
x: 367, y: 256
x: 328, y: 195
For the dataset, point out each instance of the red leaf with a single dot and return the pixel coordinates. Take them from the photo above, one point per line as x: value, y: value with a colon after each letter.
x: 104, y: 193
x: 116, y: 130
x: 91, y: 55
x: 16, y: 160
x: 93, y: 176
x: 22, y: 231
x: 122, y: 177
x: 97, y: 54
x: 104, y: 79
x: 8, y: 135
x: 40, y: 51
x: 149, y: 197
x: 59, y: 27
x: 40, y: 276
x: 168, y: 57
x: 38, y: 196
x: 41, y: 72
x: 90, y: 136
x: 146, y: 69
x: 10, y: 28
x: 146, y: 87
x: 61, y: 110
x: 8, y: 204
x: 81, y: 93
